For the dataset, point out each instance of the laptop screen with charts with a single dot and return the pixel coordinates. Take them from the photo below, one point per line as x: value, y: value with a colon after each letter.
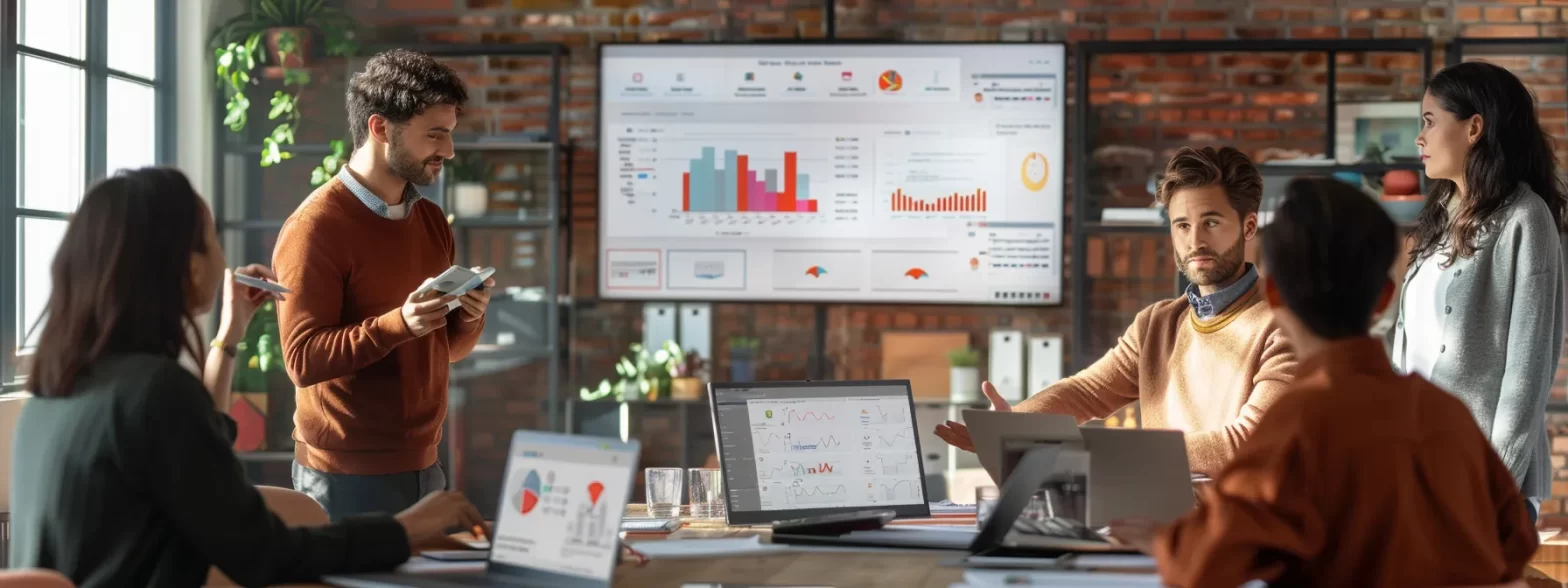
x: 793, y: 450
x: 559, y: 517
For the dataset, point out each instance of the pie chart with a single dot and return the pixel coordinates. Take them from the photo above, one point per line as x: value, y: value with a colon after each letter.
x: 529, y: 496
x: 890, y: 81
x: 1035, y: 171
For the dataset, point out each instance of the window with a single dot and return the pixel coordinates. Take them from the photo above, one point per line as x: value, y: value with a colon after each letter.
x: 85, y: 90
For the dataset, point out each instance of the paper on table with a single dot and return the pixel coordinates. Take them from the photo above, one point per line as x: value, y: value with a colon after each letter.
x: 706, y: 547
x: 949, y: 507
x: 1056, y: 578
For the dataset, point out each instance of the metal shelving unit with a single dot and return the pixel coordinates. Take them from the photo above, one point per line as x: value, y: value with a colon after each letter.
x: 1081, y: 146
x: 552, y: 163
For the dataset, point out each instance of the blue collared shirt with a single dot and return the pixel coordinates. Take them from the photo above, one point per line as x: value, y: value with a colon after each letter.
x: 1207, y: 307
x: 376, y: 204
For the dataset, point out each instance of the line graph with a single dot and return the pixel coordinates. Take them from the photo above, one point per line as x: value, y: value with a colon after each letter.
x: 768, y: 442
x: 890, y: 465
x: 882, y: 441
x: 815, y: 494
x: 876, y: 415
x: 904, y: 490
x: 770, y: 470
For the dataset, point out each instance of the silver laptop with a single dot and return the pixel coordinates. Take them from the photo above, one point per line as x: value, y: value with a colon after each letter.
x: 559, y: 518
x: 1133, y: 473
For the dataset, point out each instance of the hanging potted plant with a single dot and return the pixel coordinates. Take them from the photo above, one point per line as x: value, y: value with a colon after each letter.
x: 279, y: 34
x: 743, y: 358
x: 640, y: 375
x: 964, y: 380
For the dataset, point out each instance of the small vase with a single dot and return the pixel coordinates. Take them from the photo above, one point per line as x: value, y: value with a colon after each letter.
x: 964, y: 385
x: 470, y: 199
x: 743, y: 367
x: 685, y: 389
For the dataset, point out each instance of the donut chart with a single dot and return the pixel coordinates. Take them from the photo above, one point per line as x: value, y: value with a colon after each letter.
x: 1035, y: 171
x: 890, y: 81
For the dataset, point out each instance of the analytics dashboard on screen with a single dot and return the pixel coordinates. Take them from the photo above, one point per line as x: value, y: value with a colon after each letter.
x: 832, y: 173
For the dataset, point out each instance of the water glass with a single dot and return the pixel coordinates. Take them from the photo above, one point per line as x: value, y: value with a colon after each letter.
x: 706, y: 492
x: 664, y: 492
x: 986, y: 498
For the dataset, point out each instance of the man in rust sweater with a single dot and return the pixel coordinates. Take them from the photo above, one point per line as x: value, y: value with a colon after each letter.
x: 1209, y: 363
x: 1358, y: 476
x: 370, y: 358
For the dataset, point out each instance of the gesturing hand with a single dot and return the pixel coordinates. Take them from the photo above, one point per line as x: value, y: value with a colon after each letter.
x: 429, y: 520
x: 425, y: 312
x: 477, y: 300
x: 957, y: 435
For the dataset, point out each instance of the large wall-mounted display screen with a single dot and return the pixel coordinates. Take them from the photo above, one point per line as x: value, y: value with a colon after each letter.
x: 832, y: 173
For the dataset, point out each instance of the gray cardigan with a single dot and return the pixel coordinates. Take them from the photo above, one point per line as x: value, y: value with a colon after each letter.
x: 1499, y: 350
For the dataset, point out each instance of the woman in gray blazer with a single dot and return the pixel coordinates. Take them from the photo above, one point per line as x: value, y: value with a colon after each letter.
x: 1480, y: 313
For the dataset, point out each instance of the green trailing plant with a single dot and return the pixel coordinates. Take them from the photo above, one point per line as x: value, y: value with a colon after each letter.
x: 330, y: 164
x: 751, y: 344
x: 639, y: 372
x: 964, y: 357
x: 259, y: 353
x: 237, y: 48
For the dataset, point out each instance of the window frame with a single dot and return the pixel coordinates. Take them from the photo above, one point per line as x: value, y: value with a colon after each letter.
x: 97, y: 73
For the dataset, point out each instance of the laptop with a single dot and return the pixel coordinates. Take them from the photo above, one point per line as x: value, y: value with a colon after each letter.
x: 800, y: 450
x: 559, y: 521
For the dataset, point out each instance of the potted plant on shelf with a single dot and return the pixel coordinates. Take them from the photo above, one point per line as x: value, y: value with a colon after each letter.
x: 743, y: 358
x: 640, y: 375
x: 263, y: 403
x: 964, y: 377
x: 285, y: 29
x: 468, y: 194
x: 687, y: 375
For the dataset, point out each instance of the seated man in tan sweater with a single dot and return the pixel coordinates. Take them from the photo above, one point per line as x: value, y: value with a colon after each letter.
x: 1208, y: 363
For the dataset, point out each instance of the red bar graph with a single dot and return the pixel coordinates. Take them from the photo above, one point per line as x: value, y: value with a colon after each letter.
x: 955, y: 202
x: 706, y: 187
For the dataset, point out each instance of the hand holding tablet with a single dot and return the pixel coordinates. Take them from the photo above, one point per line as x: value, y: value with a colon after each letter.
x: 456, y: 281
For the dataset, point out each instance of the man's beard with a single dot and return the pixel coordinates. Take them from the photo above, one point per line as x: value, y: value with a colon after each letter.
x: 1225, y: 267
x: 406, y: 166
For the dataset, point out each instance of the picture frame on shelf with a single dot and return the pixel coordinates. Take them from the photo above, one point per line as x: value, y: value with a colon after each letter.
x: 1390, y: 126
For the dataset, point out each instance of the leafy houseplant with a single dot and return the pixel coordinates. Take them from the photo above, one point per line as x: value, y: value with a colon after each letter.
x: 639, y: 375
x: 330, y: 164
x: 964, y: 376
x: 743, y: 358
x: 285, y: 27
x: 686, y: 376
x: 259, y: 377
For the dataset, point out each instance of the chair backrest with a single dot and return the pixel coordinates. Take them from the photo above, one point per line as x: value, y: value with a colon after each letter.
x: 10, y: 411
x: 295, y: 508
x: 34, y: 579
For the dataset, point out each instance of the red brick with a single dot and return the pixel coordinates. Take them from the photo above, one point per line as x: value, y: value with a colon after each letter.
x: 1206, y: 33
x: 1358, y: 14
x: 1197, y: 16
x: 1538, y: 14
x: 1388, y: 61
x: 1123, y: 61
x: 1500, y: 14
x: 1262, y: 134
x: 1127, y: 34
x: 1257, y: 60
x: 994, y: 19
x: 1286, y: 98
x: 1501, y: 31
x: 1186, y: 59
x: 1397, y: 14
x: 1434, y: 13
x: 431, y: 5
x: 1468, y: 13
x: 1321, y: 32
x: 1135, y: 98
x: 1260, y: 80
x: 699, y: 17
x: 1258, y: 33
x: 1131, y: 17
x: 1268, y: 14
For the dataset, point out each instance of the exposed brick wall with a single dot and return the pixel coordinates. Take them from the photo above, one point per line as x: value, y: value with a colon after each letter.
x: 1254, y: 101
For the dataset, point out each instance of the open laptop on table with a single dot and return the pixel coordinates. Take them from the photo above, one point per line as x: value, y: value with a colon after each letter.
x: 559, y: 518
x: 799, y: 450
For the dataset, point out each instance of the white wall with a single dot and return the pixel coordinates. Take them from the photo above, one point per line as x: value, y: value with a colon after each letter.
x: 194, y: 91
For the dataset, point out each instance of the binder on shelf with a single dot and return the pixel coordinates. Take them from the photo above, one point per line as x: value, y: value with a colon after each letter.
x: 1045, y: 362
x: 696, y: 328
x: 658, y: 324
x: 1007, y: 364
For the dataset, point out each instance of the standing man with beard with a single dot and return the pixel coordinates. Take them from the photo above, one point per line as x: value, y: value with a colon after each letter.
x: 1208, y: 363
x: 369, y: 356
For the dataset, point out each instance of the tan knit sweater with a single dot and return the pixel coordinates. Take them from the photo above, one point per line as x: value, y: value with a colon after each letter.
x: 1211, y: 378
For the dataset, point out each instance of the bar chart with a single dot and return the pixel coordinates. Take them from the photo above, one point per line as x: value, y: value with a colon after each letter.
x: 956, y: 202
x: 731, y: 185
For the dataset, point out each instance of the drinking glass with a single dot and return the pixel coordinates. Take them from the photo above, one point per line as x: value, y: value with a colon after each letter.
x: 986, y: 498
x: 664, y: 492
x: 706, y: 492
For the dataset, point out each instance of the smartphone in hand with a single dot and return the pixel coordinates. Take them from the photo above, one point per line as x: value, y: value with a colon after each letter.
x: 261, y: 284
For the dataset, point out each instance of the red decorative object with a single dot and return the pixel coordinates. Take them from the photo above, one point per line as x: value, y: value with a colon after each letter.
x: 251, y: 425
x: 1401, y: 182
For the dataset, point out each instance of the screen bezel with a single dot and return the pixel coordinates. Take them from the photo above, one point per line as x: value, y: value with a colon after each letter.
x: 630, y: 447
x: 598, y: 135
x: 763, y: 517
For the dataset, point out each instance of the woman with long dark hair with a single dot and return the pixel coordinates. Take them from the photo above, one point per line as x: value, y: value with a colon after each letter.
x: 123, y: 467
x: 1481, y: 310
